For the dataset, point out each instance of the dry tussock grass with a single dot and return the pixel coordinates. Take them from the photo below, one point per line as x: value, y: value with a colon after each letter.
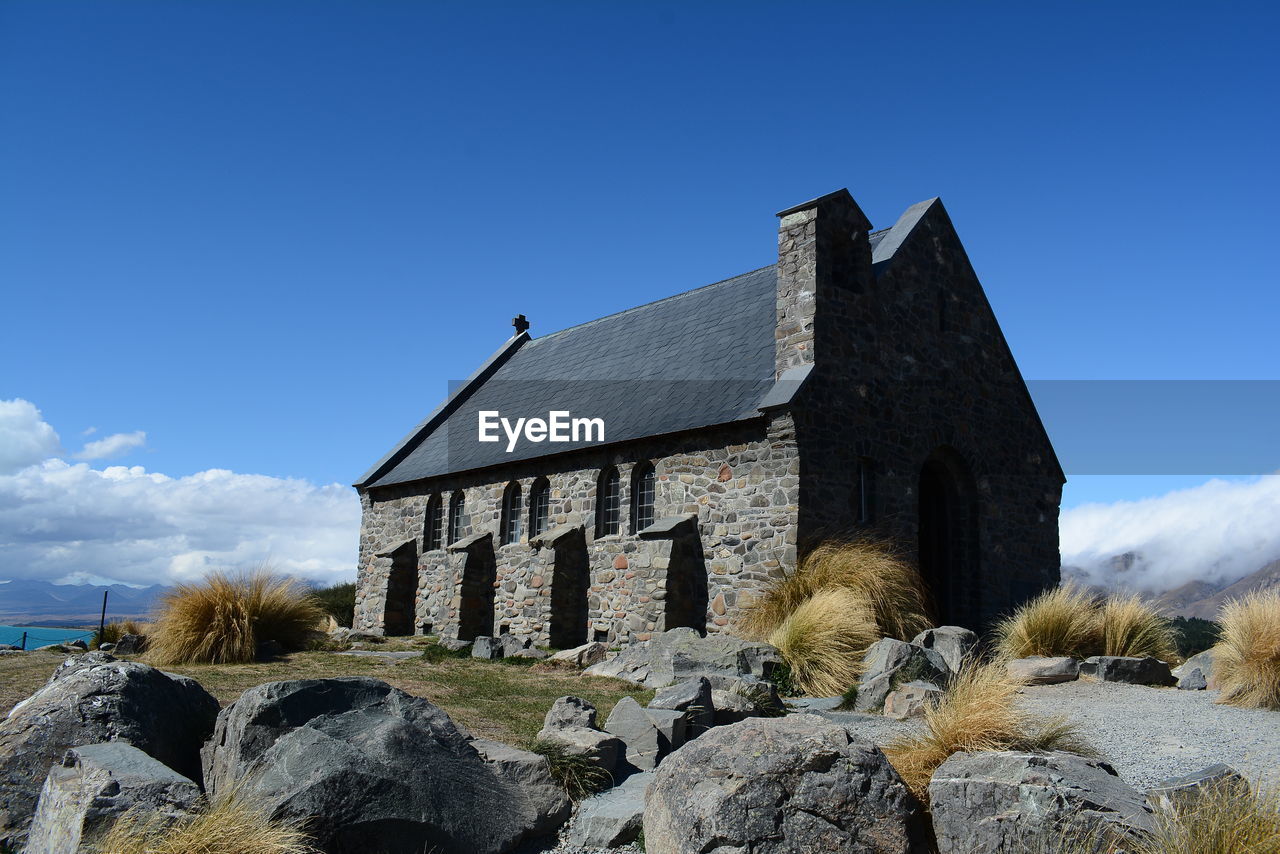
x: 1070, y: 621
x: 228, y: 826
x: 223, y: 618
x: 847, y: 594
x: 1246, y: 660
x: 1062, y: 621
x: 1131, y: 627
x: 978, y: 712
x: 824, y: 639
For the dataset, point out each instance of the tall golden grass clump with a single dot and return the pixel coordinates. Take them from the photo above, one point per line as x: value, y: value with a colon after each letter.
x: 1131, y: 627
x: 978, y: 712
x: 228, y: 826
x: 1225, y: 819
x: 223, y: 618
x: 847, y: 594
x: 824, y: 640
x: 1071, y: 621
x: 1246, y: 660
x: 1061, y: 621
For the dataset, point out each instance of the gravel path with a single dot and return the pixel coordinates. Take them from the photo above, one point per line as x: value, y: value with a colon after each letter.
x: 1151, y: 734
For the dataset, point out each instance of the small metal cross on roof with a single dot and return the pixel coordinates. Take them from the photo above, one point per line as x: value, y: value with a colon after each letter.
x: 520, y: 322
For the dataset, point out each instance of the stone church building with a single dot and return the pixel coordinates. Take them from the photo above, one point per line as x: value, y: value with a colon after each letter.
x: 859, y: 385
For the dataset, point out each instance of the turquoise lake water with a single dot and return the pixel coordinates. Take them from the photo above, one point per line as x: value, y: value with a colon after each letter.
x: 41, y: 635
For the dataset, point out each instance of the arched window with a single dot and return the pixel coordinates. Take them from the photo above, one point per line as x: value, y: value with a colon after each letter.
x: 433, y: 528
x: 642, y: 495
x: 511, y: 514
x: 608, y: 503
x: 457, y: 517
x: 539, y: 506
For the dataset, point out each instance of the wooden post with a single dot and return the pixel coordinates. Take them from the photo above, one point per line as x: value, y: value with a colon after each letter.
x: 102, y: 624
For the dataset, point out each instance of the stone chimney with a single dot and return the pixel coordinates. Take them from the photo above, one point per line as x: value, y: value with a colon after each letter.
x: 824, y: 265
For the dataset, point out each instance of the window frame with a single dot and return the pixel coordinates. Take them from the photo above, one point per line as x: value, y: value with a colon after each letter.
x: 644, y: 483
x: 609, y: 502
x: 511, y: 508
x: 433, y: 526
x: 539, y: 506
x: 457, y: 516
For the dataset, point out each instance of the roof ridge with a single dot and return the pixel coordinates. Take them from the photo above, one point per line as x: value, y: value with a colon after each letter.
x: 650, y: 303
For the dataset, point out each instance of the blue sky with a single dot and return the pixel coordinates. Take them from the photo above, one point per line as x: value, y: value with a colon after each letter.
x: 268, y: 234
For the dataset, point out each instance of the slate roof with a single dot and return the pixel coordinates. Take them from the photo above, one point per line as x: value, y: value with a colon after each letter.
x: 697, y: 359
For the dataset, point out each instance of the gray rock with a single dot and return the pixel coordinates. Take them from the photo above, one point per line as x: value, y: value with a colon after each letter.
x: 1181, y: 793
x: 106, y: 647
x: 486, y: 647
x: 453, y: 644
x: 778, y: 785
x: 612, y: 818
x: 761, y: 692
x: 732, y: 707
x: 55, y: 647
x: 94, y: 698
x: 532, y: 652
x: 78, y: 644
x: 1044, y: 670
x: 872, y: 693
x: 884, y: 655
x: 94, y: 785
x: 513, y: 645
x: 953, y: 643
x: 8, y: 647
x: 1133, y: 671
x: 131, y: 644
x: 299, y: 750
x: 1196, y: 673
x: 682, y: 653
x: 570, y: 712
x: 602, y: 749
x: 645, y: 743
x: 912, y: 700
x: 996, y: 802
x: 691, y: 697
x: 583, y: 656
x: 673, y: 728
x: 531, y: 773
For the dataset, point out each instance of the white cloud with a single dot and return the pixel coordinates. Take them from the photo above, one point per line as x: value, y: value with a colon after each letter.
x: 25, y: 438
x: 1219, y: 531
x: 112, y: 446
x: 88, y: 431
x: 70, y: 522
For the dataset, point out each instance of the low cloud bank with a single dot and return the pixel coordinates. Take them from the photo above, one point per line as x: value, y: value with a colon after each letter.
x: 70, y: 522
x: 1219, y: 531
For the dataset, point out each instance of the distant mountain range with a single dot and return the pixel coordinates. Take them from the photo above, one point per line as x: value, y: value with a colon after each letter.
x: 1201, y: 599
x: 46, y: 604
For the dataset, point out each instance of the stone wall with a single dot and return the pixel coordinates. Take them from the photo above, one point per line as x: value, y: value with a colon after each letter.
x: 740, y: 482
x: 912, y: 371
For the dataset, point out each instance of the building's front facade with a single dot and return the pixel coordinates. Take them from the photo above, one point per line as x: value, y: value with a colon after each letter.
x: 860, y: 385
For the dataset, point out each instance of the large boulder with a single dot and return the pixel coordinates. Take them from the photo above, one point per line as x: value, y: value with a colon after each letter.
x: 592, y: 652
x: 953, y: 643
x: 531, y: 773
x: 912, y: 700
x: 570, y: 725
x: 1133, y: 671
x: 1043, y: 670
x: 649, y: 734
x: 611, y: 818
x: 682, y: 653
x: 889, y: 663
x: 1196, y: 673
x: 90, y: 699
x: 96, y: 784
x: 130, y: 644
x: 1002, y: 801
x: 1180, y: 794
x: 692, y: 698
x: 779, y: 785
x: 368, y: 768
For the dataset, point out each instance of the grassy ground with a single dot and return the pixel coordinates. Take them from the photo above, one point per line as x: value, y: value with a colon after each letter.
x: 505, y: 702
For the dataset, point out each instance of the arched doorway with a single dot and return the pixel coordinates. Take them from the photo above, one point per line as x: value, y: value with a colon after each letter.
x: 402, y: 591
x: 947, y: 532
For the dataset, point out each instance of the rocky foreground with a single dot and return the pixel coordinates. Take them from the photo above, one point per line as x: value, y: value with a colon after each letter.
x: 716, y: 762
